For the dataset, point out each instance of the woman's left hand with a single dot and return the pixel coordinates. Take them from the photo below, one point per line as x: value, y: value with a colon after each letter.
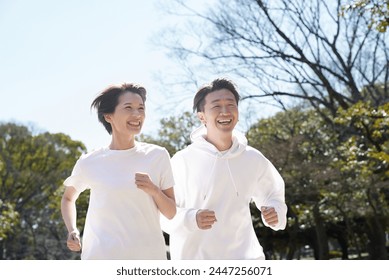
x: 143, y: 182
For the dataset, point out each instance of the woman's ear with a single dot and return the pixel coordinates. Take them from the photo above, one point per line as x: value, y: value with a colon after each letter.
x: 107, y: 118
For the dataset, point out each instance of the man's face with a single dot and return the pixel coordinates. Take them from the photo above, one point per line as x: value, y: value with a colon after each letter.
x: 220, y: 112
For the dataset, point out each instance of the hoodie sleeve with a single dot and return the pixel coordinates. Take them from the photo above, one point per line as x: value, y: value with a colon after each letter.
x: 270, y: 191
x: 185, y: 218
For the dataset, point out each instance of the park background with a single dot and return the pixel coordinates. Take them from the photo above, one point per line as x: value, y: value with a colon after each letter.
x: 313, y: 76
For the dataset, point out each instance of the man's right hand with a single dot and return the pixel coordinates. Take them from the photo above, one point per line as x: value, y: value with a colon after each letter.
x: 205, y: 218
x: 74, y: 241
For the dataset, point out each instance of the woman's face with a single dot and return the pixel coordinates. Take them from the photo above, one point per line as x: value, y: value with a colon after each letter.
x: 129, y: 115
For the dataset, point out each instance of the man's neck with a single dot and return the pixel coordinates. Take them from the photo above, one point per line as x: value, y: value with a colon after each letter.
x: 221, y: 142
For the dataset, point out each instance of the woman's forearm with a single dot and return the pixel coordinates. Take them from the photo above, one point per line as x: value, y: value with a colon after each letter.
x: 166, y: 203
x: 68, y: 209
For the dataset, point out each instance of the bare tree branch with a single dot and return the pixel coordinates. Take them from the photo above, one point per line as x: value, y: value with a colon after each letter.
x: 290, y: 50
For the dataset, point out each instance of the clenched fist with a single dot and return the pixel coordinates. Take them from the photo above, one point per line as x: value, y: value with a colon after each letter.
x: 205, y: 218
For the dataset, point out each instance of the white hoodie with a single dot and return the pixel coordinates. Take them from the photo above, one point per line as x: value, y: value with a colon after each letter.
x: 225, y: 183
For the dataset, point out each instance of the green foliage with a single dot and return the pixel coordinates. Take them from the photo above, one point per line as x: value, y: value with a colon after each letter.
x: 8, y: 219
x: 32, y: 171
x: 364, y: 161
x: 174, y: 133
x: 378, y: 10
x: 335, y: 174
x: 302, y: 156
x: 367, y: 150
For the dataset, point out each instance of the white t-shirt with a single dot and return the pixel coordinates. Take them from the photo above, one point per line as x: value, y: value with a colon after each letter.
x: 122, y: 221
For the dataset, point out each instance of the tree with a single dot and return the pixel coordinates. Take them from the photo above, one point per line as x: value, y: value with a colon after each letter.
x: 303, y: 158
x: 307, y: 51
x: 366, y: 160
x: 335, y: 187
x: 32, y: 170
x: 287, y: 49
x: 378, y: 10
x: 174, y: 133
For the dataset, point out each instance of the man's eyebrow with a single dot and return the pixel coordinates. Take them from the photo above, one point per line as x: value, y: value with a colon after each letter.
x: 228, y: 99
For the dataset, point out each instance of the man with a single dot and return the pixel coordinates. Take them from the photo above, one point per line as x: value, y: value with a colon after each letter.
x: 217, y: 176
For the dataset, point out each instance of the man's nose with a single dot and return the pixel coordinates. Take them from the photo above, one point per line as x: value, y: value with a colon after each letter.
x: 224, y: 110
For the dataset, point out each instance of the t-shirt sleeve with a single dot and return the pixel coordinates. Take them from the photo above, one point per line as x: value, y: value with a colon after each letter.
x: 77, y: 178
x: 166, y: 179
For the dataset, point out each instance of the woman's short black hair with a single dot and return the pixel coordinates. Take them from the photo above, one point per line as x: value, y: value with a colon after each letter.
x: 108, y: 99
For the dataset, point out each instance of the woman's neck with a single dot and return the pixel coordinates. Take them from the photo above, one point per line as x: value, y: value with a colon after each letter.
x: 122, y: 143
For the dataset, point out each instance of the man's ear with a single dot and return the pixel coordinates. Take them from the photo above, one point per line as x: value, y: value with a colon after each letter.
x: 201, y: 117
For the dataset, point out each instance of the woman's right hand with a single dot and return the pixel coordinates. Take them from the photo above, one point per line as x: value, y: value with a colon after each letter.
x: 74, y: 241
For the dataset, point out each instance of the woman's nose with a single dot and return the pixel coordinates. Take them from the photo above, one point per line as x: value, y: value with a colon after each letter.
x: 136, y: 113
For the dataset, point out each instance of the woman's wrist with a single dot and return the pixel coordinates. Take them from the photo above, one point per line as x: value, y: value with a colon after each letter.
x: 157, y: 192
x: 76, y: 231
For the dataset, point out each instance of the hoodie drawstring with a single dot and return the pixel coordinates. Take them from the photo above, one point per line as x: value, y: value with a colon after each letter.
x: 232, y: 178
x: 208, y: 185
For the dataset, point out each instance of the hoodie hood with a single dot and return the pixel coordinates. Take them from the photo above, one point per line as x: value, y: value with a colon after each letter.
x: 239, y: 143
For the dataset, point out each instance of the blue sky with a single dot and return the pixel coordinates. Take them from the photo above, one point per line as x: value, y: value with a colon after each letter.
x: 55, y: 56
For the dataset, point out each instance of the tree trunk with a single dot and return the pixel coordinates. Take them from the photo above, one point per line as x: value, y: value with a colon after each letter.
x: 322, y: 249
x: 377, y: 239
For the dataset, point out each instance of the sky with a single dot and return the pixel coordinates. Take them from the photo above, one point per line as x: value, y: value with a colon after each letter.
x: 56, y: 56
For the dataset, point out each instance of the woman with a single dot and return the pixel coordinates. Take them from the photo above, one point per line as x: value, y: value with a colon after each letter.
x: 130, y: 182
